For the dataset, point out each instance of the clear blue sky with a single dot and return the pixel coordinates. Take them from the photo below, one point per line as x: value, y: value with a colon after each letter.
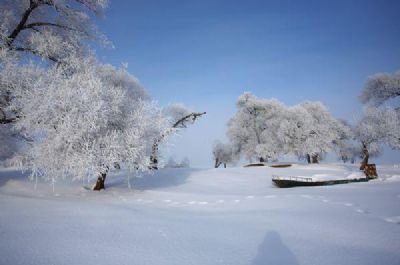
x: 206, y: 53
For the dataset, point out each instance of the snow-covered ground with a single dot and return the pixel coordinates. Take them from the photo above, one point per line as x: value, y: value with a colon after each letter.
x: 203, y: 216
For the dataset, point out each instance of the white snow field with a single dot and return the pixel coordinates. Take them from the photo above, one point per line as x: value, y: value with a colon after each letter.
x: 202, y: 216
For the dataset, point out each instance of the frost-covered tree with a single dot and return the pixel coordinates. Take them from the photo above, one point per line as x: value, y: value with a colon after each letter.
x: 178, y: 117
x: 348, y: 151
x: 8, y: 143
x: 33, y: 35
x: 84, y: 122
x: 346, y: 148
x: 223, y: 154
x: 381, y: 87
x: 266, y: 129
x: 309, y: 131
x: 120, y: 77
x: 252, y: 131
x: 13, y: 79
x: 185, y: 163
x: 50, y: 29
x: 172, y: 163
x: 378, y: 126
x: 323, y: 133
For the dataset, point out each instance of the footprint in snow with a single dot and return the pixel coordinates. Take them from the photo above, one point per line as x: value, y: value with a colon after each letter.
x: 348, y: 204
x: 203, y: 203
x: 306, y: 196
x: 269, y: 196
x: 325, y: 201
x: 250, y: 197
x: 167, y: 201
x: 362, y: 211
x: 220, y: 201
x: 192, y: 202
x: 393, y: 220
x: 236, y: 201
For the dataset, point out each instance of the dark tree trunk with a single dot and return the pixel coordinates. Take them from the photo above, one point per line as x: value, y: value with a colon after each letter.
x: 262, y: 160
x: 312, y: 159
x: 315, y: 159
x: 224, y: 165
x: 154, y: 155
x: 364, y: 161
x: 100, y: 182
x: 217, y: 163
x: 308, y: 159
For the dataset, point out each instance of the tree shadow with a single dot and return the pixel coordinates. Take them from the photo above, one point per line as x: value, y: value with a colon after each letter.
x: 273, y: 251
x: 7, y: 174
x: 162, y: 178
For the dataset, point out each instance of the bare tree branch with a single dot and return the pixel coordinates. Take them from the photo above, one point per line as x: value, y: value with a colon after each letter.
x: 6, y: 120
x: 179, y: 123
x: 21, y: 23
x: 192, y: 116
x: 26, y: 49
x: 49, y: 24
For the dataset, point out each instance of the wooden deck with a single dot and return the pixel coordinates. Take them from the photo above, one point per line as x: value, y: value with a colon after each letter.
x: 288, y: 182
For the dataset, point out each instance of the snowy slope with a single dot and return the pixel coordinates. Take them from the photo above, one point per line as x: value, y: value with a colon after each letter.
x: 203, y: 216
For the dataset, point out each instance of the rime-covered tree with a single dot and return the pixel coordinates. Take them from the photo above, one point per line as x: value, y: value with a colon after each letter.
x: 223, y: 154
x: 185, y: 163
x: 320, y: 131
x: 8, y: 143
x: 50, y: 29
x: 347, y: 150
x: 381, y: 87
x: 172, y: 163
x: 309, y: 131
x: 266, y: 129
x: 178, y: 117
x: 254, y: 125
x: 85, y: 121
x: 43, y: 32
x: 377, y: 126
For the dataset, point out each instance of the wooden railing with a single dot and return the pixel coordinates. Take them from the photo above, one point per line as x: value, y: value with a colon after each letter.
x: 303, y: 179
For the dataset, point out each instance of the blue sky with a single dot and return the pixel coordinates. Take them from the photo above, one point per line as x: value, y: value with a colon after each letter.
x: 206, y: 53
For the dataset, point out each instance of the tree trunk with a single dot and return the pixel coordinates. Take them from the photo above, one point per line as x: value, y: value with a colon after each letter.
x: 154, y: 154
x: 308, y: 159
x: 262, y: 160
x: 364, y: 161
x: 100, y: 182
x: 224, y: 165
x: 315, y: 159
x: 312, y: 159
x: 217, y: 163
x: 178, y: 124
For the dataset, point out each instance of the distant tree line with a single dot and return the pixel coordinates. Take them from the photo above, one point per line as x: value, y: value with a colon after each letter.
x: 263, y: 130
